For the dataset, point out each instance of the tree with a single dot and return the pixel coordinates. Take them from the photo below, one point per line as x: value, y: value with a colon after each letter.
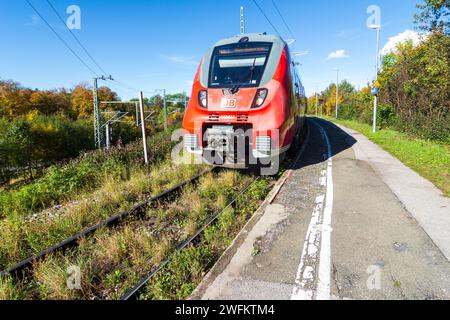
x: 416, y: 83
x: 50, y: 102
x: 83, y: 101
x: 434, y: 16
x: 19, y: 141
x: 14, y: 99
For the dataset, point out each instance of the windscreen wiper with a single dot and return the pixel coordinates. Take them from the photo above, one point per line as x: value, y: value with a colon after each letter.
x: 238, y: 86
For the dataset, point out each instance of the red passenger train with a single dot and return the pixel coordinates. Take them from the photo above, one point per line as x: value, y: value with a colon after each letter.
x: 247, y: 105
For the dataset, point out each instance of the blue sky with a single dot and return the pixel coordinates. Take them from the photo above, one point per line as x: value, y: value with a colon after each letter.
x: 157, y: 44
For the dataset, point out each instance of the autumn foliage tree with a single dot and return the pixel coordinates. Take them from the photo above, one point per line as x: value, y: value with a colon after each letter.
x: 43, y: 126
x: 415, y: 82
x: 17, y: 101
x: 82, y: 99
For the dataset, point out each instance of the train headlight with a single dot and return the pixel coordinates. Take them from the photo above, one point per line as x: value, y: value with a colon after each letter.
x: 203, y: 99
x: 260, y: 98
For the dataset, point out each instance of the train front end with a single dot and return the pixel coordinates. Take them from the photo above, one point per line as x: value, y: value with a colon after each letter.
x: 241, y: 113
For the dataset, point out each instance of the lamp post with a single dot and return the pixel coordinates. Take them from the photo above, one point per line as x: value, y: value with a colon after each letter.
x: 377, y: 68
x: 337, y: 92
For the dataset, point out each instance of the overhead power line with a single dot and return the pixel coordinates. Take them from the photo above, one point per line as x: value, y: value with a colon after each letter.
x: 122, y: 85
x: 267, y: 18
x: 61, y: 39
x: 75, y: 37
x: 282, y: 18
x: 111, y: 81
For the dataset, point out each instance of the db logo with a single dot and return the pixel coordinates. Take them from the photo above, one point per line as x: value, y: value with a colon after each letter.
x: 228, y: 103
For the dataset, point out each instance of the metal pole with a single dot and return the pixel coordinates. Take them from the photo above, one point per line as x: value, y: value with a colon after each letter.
x: 337, y: 94
x: 165, y: 110
x: 242, y: 20
x: 98, y: 136
x: 108, y: 136
x: 375, y: 102
x: 137, y: 113
x: 144, y: 133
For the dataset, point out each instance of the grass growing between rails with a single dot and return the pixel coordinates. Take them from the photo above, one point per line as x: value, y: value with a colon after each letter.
x: 114, y: 260
x: 429, y: 159
x: 22, y: 238
x: 188, y: 267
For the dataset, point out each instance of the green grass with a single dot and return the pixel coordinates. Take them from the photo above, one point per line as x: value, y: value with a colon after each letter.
x: 187, y: 268
x: 82, y: 175
x: 429, y: 159
x: 113, y: 260
x: 23, y: 238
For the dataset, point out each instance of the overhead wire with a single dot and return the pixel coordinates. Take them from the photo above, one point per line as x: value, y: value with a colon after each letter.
x: 119, y: 84
x: 284, y: 20
x: 113, y: 82
x: 267, y: 18
x: 76, y: 38
x: 61, y: 39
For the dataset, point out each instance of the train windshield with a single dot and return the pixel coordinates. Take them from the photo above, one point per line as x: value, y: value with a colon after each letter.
x: 239, y: 65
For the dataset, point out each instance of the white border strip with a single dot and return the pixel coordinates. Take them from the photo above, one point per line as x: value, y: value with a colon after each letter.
x: 319, y: 230
x: 323, y: 285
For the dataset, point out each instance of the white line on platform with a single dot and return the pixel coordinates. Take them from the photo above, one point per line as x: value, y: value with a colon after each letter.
x: 323, y: 284
x: 319, y: 232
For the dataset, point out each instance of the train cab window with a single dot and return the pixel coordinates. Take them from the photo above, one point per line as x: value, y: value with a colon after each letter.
x: 239, y: 65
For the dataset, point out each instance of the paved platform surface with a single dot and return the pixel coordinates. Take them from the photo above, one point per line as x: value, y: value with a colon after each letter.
x: 351, y: 222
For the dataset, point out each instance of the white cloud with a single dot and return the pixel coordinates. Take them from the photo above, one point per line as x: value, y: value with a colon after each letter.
x: 35, y: 20
x: 186, y: 60
x: 391, y: 45
x: 338, y: 54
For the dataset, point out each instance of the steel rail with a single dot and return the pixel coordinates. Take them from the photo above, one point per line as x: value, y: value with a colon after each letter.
x: 133, y: 292
x: 25, y: 264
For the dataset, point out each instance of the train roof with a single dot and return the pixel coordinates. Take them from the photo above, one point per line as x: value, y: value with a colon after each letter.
x: 252, y: 37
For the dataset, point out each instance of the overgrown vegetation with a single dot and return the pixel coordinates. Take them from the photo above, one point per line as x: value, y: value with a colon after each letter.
x: 22, y: 238
x: 113, y: 260
x: 415, y: 84
x: 83, y: 175
x: 187, y: 268
x: 41, y: 128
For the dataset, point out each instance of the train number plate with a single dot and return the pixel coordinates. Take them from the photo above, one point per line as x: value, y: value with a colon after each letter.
x: 228, y: 103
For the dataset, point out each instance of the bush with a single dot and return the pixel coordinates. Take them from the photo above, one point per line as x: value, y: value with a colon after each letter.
x: 82, y: 174
x: 416, y: 83
x: 414, y: 96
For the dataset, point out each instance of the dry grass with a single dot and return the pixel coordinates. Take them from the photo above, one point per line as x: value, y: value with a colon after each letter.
x: 24, y: 238
x: 8, y: 290
x: 128, y: 245
x: 52, y: 276
x: 113, y: 260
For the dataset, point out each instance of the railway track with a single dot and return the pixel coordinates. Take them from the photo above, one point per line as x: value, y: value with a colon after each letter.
x: 136, y: 290
x: 26, y: 265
